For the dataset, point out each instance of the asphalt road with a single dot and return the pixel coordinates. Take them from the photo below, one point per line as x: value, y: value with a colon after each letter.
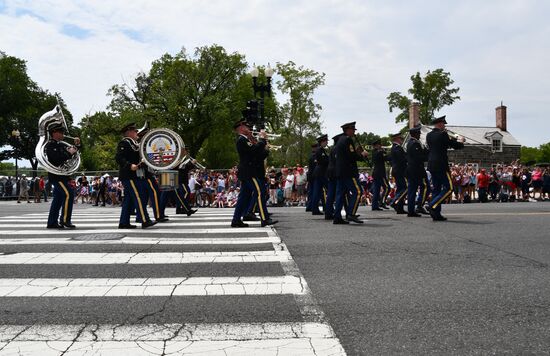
x: 477, y: 284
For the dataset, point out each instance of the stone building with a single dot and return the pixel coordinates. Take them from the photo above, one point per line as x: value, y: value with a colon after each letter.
x: 485, y: 147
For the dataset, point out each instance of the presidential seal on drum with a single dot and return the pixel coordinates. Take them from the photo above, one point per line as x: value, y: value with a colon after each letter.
x: 160, y: 149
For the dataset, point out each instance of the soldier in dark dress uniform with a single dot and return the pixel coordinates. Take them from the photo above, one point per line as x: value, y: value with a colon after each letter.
x: 259, y: 174
x: 438, y: 164
x: 331, y: 181
x: 398, y: 169
x: 380, y: 180
x: 309, y: 176
x: 128, y: 159
x: 63, y: 195
x: 153, y: 193
x: 319, y: 175
x: 416, y: 174
x: 182, y: 192
x: 248, y: 152
x: 346, y: 173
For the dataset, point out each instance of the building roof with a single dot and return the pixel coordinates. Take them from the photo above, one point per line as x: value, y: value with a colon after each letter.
x: 476, y: 135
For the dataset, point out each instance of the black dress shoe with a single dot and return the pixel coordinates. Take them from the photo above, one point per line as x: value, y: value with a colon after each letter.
x: 238, y: 223
x: 180, y: 211
x: 251, y: 217
x: 56, y: 226
x: 377, y: 209
x: 191, y: 212
x: 414, y: 215
x: 308, y: 210
x: 439, y: 217
x: 317, y: 213
x: 329, y: 217
x: 163, y: 219
x: 354, y: 219
x: 126, y: 226
x: 432, y: 212
x: 401, y: 211
x: 68, y: 225
x: 269, y: 222
x: 340, y: 221
x: 384, y: 207
x: 148, y: 223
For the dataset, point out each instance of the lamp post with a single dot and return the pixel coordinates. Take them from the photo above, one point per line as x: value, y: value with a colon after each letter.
x: 262, y: 89
x: 16, y: 135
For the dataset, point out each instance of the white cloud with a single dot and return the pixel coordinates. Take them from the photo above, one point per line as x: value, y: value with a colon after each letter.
x: 495, y: 50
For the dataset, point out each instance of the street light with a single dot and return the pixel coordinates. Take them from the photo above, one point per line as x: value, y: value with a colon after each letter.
x: 262, y: 89
x: 16, y: 135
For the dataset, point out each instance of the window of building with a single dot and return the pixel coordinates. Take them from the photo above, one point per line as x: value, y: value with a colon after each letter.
x: 497, y: 144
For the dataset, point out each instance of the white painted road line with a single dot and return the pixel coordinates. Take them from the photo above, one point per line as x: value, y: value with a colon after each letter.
x: 146, y: 287
x: 101, y: 258
x: 154, y: 230
x: 142, y: 241
x: 108, y: 218
x: 115, y: 225
x: 171, y: 339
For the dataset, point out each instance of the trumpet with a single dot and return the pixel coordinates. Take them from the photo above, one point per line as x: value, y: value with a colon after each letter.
x: 274, y: 147
x: 269, y: 135
x: 455, y: 136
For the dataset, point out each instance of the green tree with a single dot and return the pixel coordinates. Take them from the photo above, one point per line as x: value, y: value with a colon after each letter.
x: 100, y: 136
x: 198, y: 96
x: 539, y: 154
x: 299, y: 117
x: 433, y: 91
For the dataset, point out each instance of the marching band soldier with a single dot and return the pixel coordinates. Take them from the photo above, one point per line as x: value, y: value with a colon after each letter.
x: 259, y: 174
x: 416, y: 174
x: 128, y: 160
x: 379, y: 159
x: 438, y: 164
x: 346, y: 173
x: 309, y: 176
x: 248, y: 151
x: 63, y: 196
x: 398, y: 168
x: 182, y: 192
x: 331, y: 181
x: 321, y: 159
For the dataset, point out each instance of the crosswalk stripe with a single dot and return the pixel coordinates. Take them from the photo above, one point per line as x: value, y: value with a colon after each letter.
x: 111, y: 218
x: 146, y: 339
x: 148, y: 287
x: 154, y: 230
x: 101, y: 224
x: 143, y: 258
x: 144, y: 241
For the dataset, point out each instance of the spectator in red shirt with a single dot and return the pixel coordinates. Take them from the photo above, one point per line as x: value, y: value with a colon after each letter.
x: 482, y: 185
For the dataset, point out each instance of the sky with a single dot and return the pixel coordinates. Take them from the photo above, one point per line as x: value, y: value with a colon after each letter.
x: 495, y: 50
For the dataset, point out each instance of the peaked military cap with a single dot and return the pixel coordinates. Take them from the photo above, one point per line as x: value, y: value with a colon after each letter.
x: 128, y: 127
x: 337, y: 137
x: 395, y: 135
x: 349, y: 125
x: 438, y: 120
x: 322, y: 138
x: 56, y: 127
x: 240, y: 123
x: 415, y: 129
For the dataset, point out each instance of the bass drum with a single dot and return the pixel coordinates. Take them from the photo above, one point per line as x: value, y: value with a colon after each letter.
x: 160, y: 149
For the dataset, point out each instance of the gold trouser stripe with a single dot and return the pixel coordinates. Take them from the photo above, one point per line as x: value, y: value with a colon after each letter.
x: 140, y: 207
x: 155, y: 198
x: 325, y: 194
x: 184, y: 186
x: 449, y: 192
x: 262, y: 213
x: 66, y: 205
x: 424, y: 195
x: 404, y: 191
x: 180, y: 199
x: 356, y: 206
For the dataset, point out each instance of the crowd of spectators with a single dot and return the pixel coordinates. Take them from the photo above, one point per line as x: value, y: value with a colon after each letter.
x: 287, y: 186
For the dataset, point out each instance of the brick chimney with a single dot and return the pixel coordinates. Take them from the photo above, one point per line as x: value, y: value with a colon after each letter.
x: 501, y: 117
x: 414, y: 115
